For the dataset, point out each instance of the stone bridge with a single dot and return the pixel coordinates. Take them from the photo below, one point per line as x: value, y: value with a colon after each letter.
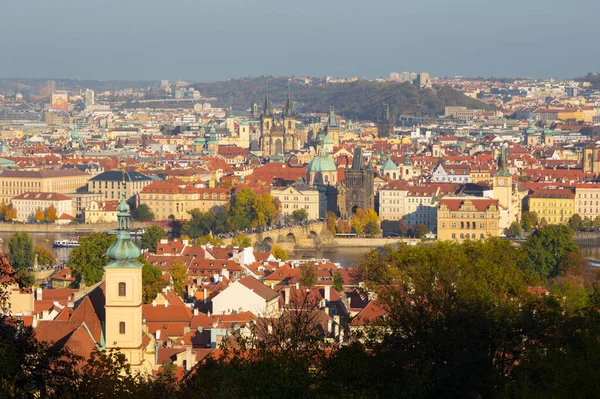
x: 309, y: 236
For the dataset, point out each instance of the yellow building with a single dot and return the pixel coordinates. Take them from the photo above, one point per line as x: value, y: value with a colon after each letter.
x: 166, y: 198
x: 17, y: 182
x: 480, y: 175
x: 570, y: 113
x: 466, y: 218
x: 298, y: 196
x: 555, y: 205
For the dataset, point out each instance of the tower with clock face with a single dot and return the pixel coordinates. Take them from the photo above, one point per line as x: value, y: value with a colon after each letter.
x: 502, y: 181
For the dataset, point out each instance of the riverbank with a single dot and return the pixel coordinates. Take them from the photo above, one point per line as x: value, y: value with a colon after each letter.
x: 67, y: 228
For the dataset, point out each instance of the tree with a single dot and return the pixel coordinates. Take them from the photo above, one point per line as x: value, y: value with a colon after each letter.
x: 242, y: 212
x: 143, y: 213
x: 152, y: 281
x: 21, y: 251
x: 87, y: 260
x: 405, y: 228
x: 338, y: 282
x: 588, y: 224
x: 543, y: 222
x: 529, y: 220
x: 546, y: 247
x: 575, y: 222
x: 372, y: 229
x: 308, y: 275
x: 51, y: 215
x: 264, y: 209
x: 358, y: 221
x: 330, y: 218
x: 371, y: 216
x: 514, y: 230
x: 45, y: 257
x: 199, y: 224
x: 242, y: 241
x: 210, y: 239
x: 3, y: 209
x: 421, y: 230
x: 39, y: 215
x: 179, y: 275
x: 279, y: 253
x: 300, y: 215
x: 596, y: 222
x: 151, y: 236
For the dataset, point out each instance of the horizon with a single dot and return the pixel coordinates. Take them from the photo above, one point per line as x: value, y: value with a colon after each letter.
x: 219, y: 40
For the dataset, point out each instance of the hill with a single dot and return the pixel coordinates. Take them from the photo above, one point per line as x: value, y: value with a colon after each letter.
x: 593, y: 78
x: 360, y: 100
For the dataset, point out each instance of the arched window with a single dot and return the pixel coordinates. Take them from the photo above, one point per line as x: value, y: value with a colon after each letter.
x: 462, y: 225
x: 453, y: 236
x: 462, y: 236
x: 468, y: 225
x: 122, y: 289
x: 481, y: 236
x: 121, y: 327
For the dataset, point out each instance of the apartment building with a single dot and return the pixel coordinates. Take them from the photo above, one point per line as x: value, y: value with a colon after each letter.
x: 298, y: 196
x: 587, y: 200
x: 28, y: 203
x: 555, y: 205
x: 468, y: 218
x: 16, y: 182
x: 109, y: 184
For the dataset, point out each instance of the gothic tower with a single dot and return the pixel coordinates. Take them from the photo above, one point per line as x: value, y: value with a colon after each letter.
x: 502, y: 181
x: 385, y: 123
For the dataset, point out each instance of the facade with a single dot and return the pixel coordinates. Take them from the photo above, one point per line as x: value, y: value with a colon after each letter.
x: 27, y: 203
x: 108, y: 184
x: 251, y: 294
x: 587, y: 200
x: 15, y: 182
x: 468, y: 218
x: 385, y: 123
x: 101, y: 212
x: 359, y: 185
x: 450, y: 174
x: 165, y: 199
x: 298, y: 196
x: 591, y: 158
x: 555, y: 205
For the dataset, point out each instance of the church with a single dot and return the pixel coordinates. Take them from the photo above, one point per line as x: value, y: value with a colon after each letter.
x: 278, y: 134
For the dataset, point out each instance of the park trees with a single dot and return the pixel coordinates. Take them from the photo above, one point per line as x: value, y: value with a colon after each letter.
x: 529, y: 220
x: 546, y: 247
x: 21, y: 251
x: 151, y: 236
x: 514, y: 230
x: 87, y: 260
x: 143, y: 213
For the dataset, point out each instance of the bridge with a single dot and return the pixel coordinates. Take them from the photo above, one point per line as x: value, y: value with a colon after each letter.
x: 308, y: 236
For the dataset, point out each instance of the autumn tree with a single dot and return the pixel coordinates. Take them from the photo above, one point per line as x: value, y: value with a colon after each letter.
x: 421, y: 230
x: 3, y: 209
x: 308, y: 275
x: 264, y: 209
x: 330, y: 219
x: 11, y: 214
x: 211, y: 240
x: 279, y: 253
x: 45, y: 257
x: 51, y: 215
x: 514, y: 230
x: 358, y: 221
x: 179, y: 276
x: 39, y: 215
x: 529, y: 220
x: 242, y: 241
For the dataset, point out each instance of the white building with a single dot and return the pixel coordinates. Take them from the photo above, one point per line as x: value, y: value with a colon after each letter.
x: 247, y: 295
x: 27, y: 203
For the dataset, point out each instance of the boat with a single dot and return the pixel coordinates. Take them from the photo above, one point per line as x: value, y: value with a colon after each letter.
x: 65, y: 243
x: 133, y: 232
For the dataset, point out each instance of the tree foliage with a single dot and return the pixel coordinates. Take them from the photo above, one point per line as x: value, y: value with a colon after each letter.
x: 279, y: 253
x: 576, y: 222
x: 514, y: 230
x: 87, y: 260
x: 152, y: 283
x: 308, y: 275
x: 300, y: 215
x: 242, y: 241
x: 529, y: 220
x: 151, y: 236
x: 143, y: 213
x: 546, y: 247
x: 45, y: 257
x: 11, y: 213
x: 178, y: 273
x: 39, y: 215
x: 421, y: 230
x: 331, y: 222
x: 21, y: 251
x: 51, y: 215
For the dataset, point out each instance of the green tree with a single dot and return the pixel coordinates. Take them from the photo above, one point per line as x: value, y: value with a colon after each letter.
x: 51, y: 215
x: 242, y: 241
x: 546, y: 247
x: 242, y: 212
x: 179, y: 275
x: 308, y: 275
x: 264, y: 210
x: 515, y: 230
x: 279, y: 253
x: 45, y: 257
x: 576, y: 222
x: 529, y: 220
x: 596, y: 223
x: 588, y: 224
x: 372, y: 229
x: 421, y: 230
x: 300, y: 215
x: 199, y: 224
x: 151, y: 236
x: 338, y: 282
x: 87, y: 260
x: 152, y: 283
x: 21, y: 251
x: 39, y: 215
x: 143, y: 213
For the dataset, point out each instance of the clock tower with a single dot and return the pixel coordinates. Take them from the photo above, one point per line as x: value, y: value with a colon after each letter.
x: 502, y: 181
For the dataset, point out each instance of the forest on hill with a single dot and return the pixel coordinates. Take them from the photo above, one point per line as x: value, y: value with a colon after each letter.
x: 592, y: 77
x: 360, y: 100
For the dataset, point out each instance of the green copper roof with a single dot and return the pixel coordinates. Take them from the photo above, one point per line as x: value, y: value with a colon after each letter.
x: 327, y: 139
x: 389, y: 165
x: 123, y: 253
x: 321, y: 163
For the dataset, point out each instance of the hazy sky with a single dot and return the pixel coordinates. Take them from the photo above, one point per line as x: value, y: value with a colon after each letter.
x: 203, y: 40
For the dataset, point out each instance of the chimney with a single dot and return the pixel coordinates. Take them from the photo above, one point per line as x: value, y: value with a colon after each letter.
x: 287, y: 296
x: 329, y: 325
x: 272, y: 285
x: 186, y: 330
x: 270, y: 328
x: 327, y: 290
x: 204, y: 292
x: 297, y: 286
x: 154, y: 303
x: 188, y: 358
x: 70, y: 304
x: 38, y: 294
x: 195, y: 312
x: 157, y: 335
x: 167, y: 303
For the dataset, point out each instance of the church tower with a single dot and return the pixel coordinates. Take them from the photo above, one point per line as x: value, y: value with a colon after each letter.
x: 385, y: 123
x: 502, y: 181
x: 333, y: 127
x: 266, y: 124
x: 289, y: 124
x: 123, y: 292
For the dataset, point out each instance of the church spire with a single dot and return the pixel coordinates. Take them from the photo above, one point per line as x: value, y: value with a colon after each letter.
x: 503, y: 163
x: 123, y: 253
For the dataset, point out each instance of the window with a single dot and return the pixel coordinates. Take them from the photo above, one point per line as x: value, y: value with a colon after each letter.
x: 121, y: 327
x: 122, y: 289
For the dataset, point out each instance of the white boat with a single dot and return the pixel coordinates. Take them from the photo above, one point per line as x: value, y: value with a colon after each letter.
x: 65, y: 243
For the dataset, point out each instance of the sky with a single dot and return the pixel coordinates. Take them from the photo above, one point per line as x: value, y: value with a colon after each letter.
x: 209, y: 40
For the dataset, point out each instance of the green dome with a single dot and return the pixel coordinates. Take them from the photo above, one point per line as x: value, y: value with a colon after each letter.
x: 199, y: 140
x: 327, y: 140
x: 321, y: 163
x: 123, y: 250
